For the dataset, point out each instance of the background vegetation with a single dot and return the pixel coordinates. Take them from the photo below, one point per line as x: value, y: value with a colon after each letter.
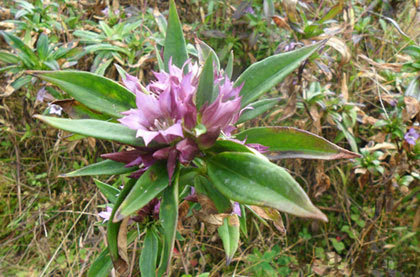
x: 361, y: 91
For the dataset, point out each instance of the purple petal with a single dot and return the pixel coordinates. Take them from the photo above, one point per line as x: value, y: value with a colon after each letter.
x: 132, y: 83
x: 172, y: 132
x: 123, y: 156
x: 187, y: 149
x: 146, y: 135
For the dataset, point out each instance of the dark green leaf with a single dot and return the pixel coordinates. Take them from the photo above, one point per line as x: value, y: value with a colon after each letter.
x: 174, y: 42
x: 261, y: 76
x: 229, y: 66
x: 288, y: 142
x: 96, y: 92
x: 245, y: 178
x: 42, y: 46
x: 229, y: 233
x: 147, y: 187
x: 106, y: 167
x: 101, y: 266
x: 110, y: 192
x: 149, y: 253
x: 17, y: 43
x: 95, y: 128
x: 258, y: 107
x: 169, y: 218
x: 113, y: 227
x: 205, y: 91
x: 7, y: 57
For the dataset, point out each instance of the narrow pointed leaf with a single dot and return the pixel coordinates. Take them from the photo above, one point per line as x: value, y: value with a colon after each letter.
x: 175, y: 46
x: 17, y: 43
x: 110, y: 192
x: 204, y: 186
x: 106, y: 167
x: 258, y: 108
x: 205, y: 51
x: 169, y: 218
x: 229, y: 66
x: 101, y: 266
x: 113, y: 227
x: 205, y: 91
x: 261, y: 76
x: 247, y: 179
x: 229, y: 233
x: 42, y: 46
x: 95, y: 128
x: 147, y: 187
x: 96, y: 92
x: 8, y: 57
x: 149, y: 253
x: 288, y: 142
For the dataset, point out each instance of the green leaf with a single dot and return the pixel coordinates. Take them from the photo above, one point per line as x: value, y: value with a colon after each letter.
x: 204, y: 52
x: 42, y: 46
x: 17, y: 43
x: 106, y: 167
x: 169, y: 218
x: 110, y: 192
x: 261, y: 76
x: 21, y: 81
x: 288, y: 142
x: 413, y: 51
x: 258, y: 107
x: 205, y: 91
x: 147, y: 187
x: 149, y: 253
x: 95, y: 128
x: 229, y: 66
x: 229, y: 233
x: 96, y: 92
x: 204, y: 186
x: 101, y: 266
x: 106, y: 47
x: 7, y: 57
x: 114, y: 227
x: 175, y: 46
x: 245, y: 178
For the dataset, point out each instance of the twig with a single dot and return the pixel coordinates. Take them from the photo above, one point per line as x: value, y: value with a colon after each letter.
x: 19, y: 189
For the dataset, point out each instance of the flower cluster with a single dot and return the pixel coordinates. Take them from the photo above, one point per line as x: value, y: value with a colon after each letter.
x: 166, y: 117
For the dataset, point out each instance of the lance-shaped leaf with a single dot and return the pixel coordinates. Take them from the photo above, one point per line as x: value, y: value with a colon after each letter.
x: 101, y: 266
x: 204, y: 51
x: 288, y: 142
x: 257, y: 108
x: 261, y: 76
x: 248, y: 179
x: 17, y: 43
x: 106, y: 167
x: 229, y: 66
x: 174, y: 42
x: 169, y: 218
x: 204, y: 186
x: 96, y: 92
x: 147, y: 187
x: 229, y: 233
x: 95, y: 128
x: 149, y: 253
x: 110, y: 192
x: 205, y: 91
x: 7, y: 57
x: 114, y: 227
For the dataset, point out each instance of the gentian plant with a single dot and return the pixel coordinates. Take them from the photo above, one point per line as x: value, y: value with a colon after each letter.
x: 179, y: 143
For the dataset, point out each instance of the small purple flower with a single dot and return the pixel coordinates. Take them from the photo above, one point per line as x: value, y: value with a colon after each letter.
x: 106, y: 214
x: 411, y: 136
x: 237, y: 209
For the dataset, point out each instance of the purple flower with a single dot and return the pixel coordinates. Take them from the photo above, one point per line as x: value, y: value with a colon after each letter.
x: 55, y: 109
x: 411, y: 136
x: 237, y: 209
x: 166, y: 114
x: 106, y: 214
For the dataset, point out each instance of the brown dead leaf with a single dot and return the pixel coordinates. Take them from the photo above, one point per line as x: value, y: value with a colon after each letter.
x: 382, y: 66
x: 319, y: 267
x: 412, y: 108
x: 281, y: 22
x: 381, y: 146
x: 271, y: 215
x: 207, y: 205
x: 344, y: 88
x: 364, y: 118
x: 122, y: 239
x: 322, y: 180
